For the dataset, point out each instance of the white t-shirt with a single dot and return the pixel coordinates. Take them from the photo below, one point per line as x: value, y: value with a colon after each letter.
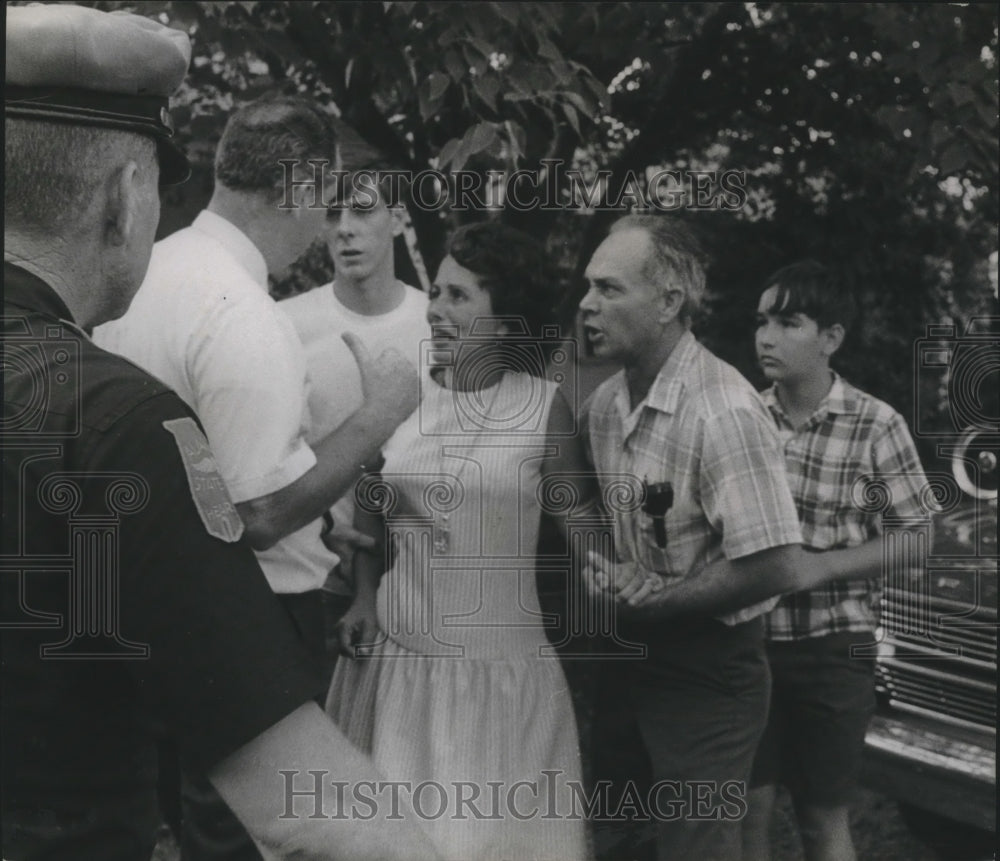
x: 203, y: 322
x: 334, y: 390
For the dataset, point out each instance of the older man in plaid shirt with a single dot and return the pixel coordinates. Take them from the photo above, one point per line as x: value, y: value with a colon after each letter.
x: 696, y: 568
x: 838, y: 441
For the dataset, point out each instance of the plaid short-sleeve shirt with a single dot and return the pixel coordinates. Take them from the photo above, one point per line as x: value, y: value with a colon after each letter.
x: 703, y: 428
x: 850, y: 440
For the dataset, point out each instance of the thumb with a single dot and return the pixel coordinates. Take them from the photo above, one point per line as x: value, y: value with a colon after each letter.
x: 357, y: 348
x: 360, y: 540
x: 344, y: 639
x: 369, y: 632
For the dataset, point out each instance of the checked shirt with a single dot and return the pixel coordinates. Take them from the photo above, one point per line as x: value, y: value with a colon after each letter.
x: 850, y: 442
x: 703, y: 428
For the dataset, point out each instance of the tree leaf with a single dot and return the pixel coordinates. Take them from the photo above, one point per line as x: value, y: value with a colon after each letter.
x: 484, y: 48
x: 476, y: 139
x: 448, y: 152
x: 438, y: 85
x: 429, y: 105
x: 531, y: 77
x: 599, y: 90
x: 579, y: 102
x: 479, y: 137
x: 518, y: 139
x: 508, y: 11
x: 549, y: 51
x: 477, y: 62
x: 486, y: 88
x: 574, y: 120
x: 456, y: 66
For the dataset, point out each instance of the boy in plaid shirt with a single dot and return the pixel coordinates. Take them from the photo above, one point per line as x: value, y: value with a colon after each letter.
x: 836, y: 439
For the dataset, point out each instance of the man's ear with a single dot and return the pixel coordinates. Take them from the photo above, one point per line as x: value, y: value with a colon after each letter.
x: 121, y: 204
x: 671, y: 302
x: 832, y: 337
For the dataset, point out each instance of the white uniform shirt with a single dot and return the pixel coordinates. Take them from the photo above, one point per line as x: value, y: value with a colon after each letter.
x: 334, y: 381
x: 203, y: 322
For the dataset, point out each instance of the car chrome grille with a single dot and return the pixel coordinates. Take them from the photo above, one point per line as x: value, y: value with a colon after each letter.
x: 938, y: 648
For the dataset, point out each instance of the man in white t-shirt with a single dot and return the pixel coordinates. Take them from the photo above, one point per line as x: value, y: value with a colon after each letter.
x: 366, y: 299
x: 204, y: 323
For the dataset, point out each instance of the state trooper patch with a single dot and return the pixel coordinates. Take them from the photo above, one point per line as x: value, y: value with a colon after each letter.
x: 208, y: 490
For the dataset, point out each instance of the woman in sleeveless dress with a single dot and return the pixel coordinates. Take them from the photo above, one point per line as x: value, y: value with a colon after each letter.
x: 461, y: 696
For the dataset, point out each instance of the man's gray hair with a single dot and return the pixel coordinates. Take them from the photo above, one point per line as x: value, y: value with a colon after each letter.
x: 53, y: 171
x: 677, y: 258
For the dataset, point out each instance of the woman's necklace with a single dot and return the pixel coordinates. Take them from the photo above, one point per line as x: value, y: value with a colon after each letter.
x: 442, y: 519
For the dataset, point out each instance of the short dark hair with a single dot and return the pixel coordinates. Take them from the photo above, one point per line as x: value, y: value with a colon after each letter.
x: 514, y: 268
x: 263, y: 133
x: 809, y: 288
x: 677, y: 256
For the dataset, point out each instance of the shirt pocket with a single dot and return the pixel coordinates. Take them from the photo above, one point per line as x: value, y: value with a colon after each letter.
x: 684, y: 538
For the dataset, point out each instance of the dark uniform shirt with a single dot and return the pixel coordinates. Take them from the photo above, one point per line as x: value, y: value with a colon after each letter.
x: 128, y: 600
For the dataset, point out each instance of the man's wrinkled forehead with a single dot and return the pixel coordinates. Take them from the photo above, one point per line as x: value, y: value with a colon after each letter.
x: 621, y: 256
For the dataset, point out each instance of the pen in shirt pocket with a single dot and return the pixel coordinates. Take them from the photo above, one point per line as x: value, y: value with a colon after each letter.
x: 658, y: 497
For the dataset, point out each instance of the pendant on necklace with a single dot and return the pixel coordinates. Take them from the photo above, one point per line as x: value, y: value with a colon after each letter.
x: 442, y: 536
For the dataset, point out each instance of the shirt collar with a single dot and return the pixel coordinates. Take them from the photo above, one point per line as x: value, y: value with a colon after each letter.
x: 24, y: 290
x: 666, y: 390
x: 236, y: 242
x: 838, y: 401
x: 664, y: 394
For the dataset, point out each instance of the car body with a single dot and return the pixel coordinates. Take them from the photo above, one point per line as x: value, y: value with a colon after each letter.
x: 932, y: 742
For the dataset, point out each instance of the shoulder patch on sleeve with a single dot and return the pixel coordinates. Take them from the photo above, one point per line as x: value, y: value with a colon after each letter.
x: 208, y: 490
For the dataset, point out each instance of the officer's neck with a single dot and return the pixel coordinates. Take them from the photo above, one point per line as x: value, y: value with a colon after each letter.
x: 69, y: 270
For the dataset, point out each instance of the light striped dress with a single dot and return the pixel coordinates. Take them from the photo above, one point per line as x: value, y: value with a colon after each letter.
x: 464, y: 691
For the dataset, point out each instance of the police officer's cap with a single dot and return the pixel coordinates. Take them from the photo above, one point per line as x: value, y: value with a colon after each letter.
x: 115, y: 70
